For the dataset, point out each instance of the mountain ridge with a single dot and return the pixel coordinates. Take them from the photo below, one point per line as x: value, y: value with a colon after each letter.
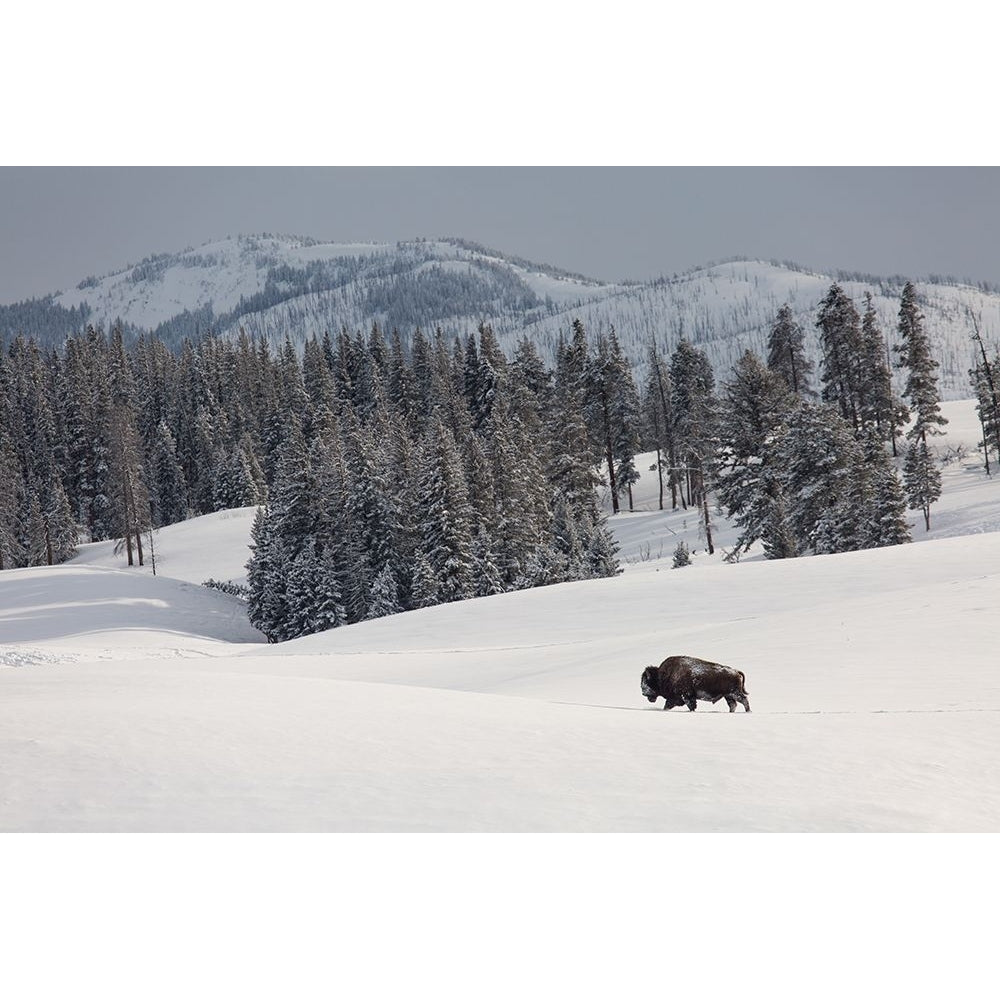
x: 273, y: 286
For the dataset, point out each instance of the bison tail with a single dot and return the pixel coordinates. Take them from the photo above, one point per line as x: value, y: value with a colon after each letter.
x: 743, y: 682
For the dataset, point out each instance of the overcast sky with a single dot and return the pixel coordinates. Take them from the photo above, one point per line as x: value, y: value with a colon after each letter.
x: 61, y: 224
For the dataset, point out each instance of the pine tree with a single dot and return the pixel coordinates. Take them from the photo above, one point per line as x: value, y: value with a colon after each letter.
x: 102, y: 510
x: 878, y: 405
x: 127, y: 479
x: 921, y: 476
x: 776, y: 532
x: 203, y: 460
x: 371, y: 509
x: 921, y: 479
x: 293, y: 499
x: 755, y: 405
x: 384, y: 595
x: 658, y: 409
x: 424, y: 588
x: 520, y: 519
x: 603, y: 552
x: 60, y: 528
x: 168, y: 491
x: 368, y: 378
x: 32, y: 541
x: 695, y: 425
x: 822, y: 461
x: 571, y: 454
x: 479, y: 477
x: 333, y: 533
x: 317, y: 377
x: 986, y: 384
x: 570, y: 541
x: 12, y: 505
x: 882, y: 500
x: 267, y: 578
x: 528, y: 371
x: 613, y: 413
x: 235, y: 483
x: 302, y: 585
x: 329, y: 610
x: 843, y: 353
x: 399, y: 379
x: 486, y: 573
x: 626, y: 420
x: 446, y: 537
x: 682, y: 556
x: 786, y: 355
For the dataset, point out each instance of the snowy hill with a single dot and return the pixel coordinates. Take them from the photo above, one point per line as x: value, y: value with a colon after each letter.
x: 213, y: 546
x: 135, y: 703
x: 275, y: 285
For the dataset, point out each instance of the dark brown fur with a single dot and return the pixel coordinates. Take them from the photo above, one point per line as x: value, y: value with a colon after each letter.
x: 686, y: 680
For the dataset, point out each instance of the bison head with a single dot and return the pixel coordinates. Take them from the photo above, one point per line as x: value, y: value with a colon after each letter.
x: 649, y: 683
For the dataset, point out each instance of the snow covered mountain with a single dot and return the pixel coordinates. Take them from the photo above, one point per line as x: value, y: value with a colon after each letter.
x: 277, y: 285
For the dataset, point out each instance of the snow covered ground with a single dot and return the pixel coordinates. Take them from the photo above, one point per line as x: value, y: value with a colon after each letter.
x: 135, y: 703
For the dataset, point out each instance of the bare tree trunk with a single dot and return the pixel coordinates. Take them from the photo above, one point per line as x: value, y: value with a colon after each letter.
x: 609, y: 455
x: 705, y: 511
x: 125, y: 513
x: 611, y: 474
x: 892, y: 416
x: 659, y: 470
x: 152, y: 550
x: 668, y: 416
x: 927, y: 506
x: 986, y: 444
x: 708, y: 525
x: 136, y: 523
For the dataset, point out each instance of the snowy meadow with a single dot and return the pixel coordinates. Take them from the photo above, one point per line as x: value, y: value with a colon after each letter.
x: 130, y: 702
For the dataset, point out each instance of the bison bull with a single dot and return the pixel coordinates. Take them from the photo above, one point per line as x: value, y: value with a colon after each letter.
x: 686, y: 680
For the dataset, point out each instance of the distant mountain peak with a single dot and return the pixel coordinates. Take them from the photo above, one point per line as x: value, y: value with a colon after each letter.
x: 277, y: 285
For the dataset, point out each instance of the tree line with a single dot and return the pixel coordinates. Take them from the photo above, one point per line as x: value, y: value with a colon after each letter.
x: 395, y: 473
x: 390, y: 474
x: 799, y: 468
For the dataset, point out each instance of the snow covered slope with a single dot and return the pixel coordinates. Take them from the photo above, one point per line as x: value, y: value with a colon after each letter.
x: 145, y: 704
x: 275, y: 286
x: 92, y: 611
x: 214, y: 546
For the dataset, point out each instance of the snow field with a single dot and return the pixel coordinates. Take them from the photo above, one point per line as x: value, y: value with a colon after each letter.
x: 135, y: 703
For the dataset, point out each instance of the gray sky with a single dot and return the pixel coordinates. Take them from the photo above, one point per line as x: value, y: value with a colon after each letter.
x: 60, y: 224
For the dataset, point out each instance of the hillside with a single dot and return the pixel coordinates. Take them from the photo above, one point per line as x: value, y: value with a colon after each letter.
x: 130, y: 706
x: 273, y: 286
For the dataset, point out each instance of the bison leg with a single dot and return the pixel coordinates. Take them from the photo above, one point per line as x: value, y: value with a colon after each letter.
x: 731, y: 702
x: 744, y: 701
x: 692, y: 703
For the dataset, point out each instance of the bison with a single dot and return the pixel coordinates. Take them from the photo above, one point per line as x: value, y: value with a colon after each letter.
x: 686, y: 680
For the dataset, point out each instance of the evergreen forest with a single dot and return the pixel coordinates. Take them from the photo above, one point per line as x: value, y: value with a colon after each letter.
x: 394, y: 472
